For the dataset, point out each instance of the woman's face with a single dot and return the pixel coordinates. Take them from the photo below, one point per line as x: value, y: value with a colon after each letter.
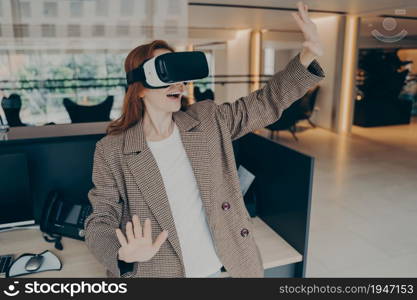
x: 164, y: 99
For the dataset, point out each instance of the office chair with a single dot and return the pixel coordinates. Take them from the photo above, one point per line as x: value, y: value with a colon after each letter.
x: 287, y: 121
x: 95, y: 113
x: 206, y: 95
x: 11, y: 107
x: 306, y: 105
x: 302, y: 109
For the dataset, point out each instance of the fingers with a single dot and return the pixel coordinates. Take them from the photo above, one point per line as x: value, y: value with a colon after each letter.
x: 302, y: 10
x: 160, y: 239
x: 147, y: 230
x: 129, y: 232
x: 298, y: 20
x: 137, y: 228
x: 121, y: 237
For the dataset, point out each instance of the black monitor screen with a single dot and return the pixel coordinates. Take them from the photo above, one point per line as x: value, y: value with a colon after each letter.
x: 15, y: 198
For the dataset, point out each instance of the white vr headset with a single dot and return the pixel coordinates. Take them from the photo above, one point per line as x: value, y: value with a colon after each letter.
x: 166, y: 69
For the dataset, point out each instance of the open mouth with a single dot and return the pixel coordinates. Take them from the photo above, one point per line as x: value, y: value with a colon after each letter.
x: 174, y: 96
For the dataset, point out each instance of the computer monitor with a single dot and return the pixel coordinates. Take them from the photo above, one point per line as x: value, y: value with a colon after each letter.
x: 16, y: 205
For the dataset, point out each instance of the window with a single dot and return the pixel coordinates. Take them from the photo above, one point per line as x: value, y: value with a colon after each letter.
x: 98, y: 30
x: 269, y: 61
x: 76, y: 9
x: 55, y: 75
x: 206, y: 84
x: 74, y: 30
x: 102, y: 8
x: 122, y: 30
x: 48, y: 30
x: 25, y: 10
x: 126, y: 8
x: 50, y: 9
x: 21, y: 30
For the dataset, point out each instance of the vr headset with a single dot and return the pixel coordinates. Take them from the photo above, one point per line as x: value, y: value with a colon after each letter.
x: 166, y: 69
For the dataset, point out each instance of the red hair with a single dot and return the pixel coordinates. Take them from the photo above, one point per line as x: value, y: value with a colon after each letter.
x: 133, y: 106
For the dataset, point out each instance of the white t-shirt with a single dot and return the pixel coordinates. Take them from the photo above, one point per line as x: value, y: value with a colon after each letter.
x: 199, y: 255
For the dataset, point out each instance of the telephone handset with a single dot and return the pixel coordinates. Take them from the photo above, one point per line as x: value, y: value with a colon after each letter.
x: 63, y: 218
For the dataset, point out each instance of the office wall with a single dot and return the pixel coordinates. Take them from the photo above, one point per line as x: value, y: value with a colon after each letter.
x: 220, y: 65
x: 233, y: 60
x: 331, y: 30
x: 282, y: 57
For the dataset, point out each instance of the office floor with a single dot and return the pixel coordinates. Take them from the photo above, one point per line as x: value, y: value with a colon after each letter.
x: 364, y: 204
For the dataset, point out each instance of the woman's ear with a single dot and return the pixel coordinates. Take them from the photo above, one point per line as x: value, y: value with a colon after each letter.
x: 141, y: 94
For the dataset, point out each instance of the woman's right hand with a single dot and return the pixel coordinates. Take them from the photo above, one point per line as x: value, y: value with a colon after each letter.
x: 138, y: 247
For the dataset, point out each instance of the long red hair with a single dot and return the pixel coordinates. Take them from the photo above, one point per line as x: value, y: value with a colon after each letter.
x: 133, y: 106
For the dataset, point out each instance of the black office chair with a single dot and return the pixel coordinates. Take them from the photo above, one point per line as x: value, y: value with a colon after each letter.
x: 206, y: 95
x: 287, y: 121
x: 307, y: 104
x: 11, y: 107
x: 302, y: 109
x: 197, y: 93
x: 95, y: 113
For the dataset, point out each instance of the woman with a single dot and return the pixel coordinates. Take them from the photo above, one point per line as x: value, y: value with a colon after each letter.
x: 172, y: 168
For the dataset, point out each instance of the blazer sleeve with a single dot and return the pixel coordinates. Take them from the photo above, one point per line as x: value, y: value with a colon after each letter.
x: 100, y: 225
x: 265, y: 106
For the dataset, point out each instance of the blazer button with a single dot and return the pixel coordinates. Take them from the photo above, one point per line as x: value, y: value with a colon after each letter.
x: 225, y: 205
x: 244, y: 232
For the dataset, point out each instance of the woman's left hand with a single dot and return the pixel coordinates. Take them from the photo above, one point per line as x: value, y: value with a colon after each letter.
x: 312, y: 46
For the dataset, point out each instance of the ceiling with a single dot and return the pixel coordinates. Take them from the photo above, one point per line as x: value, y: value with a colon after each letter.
x: 264, y: 14
x: 347, y: 6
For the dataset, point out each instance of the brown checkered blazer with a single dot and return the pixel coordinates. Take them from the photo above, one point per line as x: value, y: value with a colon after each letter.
x: 127, y: 180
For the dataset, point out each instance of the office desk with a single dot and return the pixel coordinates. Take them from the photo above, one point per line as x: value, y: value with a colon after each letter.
x: 77, y: 261
x: 24, y: 134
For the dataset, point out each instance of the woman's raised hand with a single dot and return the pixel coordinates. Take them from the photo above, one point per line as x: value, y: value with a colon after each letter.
x: 138, y: 246
x: 312, y: 46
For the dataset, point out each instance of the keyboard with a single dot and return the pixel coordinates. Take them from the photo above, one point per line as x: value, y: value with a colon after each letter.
x: 5, y: 262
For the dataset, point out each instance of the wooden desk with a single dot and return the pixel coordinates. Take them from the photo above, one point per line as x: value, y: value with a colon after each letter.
x: 28, y: 133
x: 77, y: 261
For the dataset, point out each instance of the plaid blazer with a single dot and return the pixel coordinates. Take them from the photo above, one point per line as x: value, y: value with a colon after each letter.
x: 127, y: 180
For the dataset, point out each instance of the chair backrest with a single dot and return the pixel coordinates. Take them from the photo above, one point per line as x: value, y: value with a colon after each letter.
x: 307, y: 103
x: 11, y: 107
x: 208, y: 95
x: 299, y: 110
x: 95, y: 113
x: 197, y: 94
x: 288, y: 118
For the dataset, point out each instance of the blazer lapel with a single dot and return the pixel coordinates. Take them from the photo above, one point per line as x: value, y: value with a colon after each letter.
x: 195, y: 145
x: 149, y: 180
x: 148, y: 177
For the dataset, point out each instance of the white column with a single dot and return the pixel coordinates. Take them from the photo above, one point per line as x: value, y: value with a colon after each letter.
x: 255, y: 59
x: 347, y: 91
